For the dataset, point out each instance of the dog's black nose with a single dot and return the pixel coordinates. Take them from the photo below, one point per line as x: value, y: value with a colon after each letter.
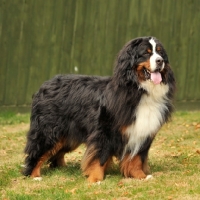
x: 159, y: 61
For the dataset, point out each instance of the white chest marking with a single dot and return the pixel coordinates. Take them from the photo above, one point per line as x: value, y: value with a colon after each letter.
x: 149, y: 116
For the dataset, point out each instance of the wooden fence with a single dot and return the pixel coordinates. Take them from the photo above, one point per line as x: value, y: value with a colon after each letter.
x: 41, y: 38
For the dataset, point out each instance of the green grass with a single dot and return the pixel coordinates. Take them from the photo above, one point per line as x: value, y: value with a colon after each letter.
x: 174, y: 161
x: 9, y: 118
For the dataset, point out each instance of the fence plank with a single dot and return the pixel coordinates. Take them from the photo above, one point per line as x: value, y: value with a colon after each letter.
x: 39, y: 39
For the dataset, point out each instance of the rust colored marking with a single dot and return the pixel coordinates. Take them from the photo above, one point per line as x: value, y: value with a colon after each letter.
x: 44, y: 158
x: 123, y: 130
x: 91, y: 167
x: 145, y: 64
x: 95, y: 171
x: 158, y: 49
x: 140, y: 70
x: 132, y: 167
x: 87, y: 158
x: 36, y: 170
x: 149, y: 50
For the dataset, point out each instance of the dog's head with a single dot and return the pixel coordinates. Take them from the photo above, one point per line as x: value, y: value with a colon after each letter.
x: 142, y: 59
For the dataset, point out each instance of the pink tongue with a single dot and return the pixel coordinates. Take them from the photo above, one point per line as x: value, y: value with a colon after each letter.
x: 156, y: 77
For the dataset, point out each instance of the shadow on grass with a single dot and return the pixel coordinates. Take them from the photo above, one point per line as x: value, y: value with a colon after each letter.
x: 73, y: 169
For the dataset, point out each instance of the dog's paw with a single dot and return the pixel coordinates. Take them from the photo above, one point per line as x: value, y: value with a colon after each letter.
x: 37, y: 178
x: 149, y: 177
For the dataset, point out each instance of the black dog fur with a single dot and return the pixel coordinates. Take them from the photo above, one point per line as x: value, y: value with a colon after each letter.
x: 69, y: 110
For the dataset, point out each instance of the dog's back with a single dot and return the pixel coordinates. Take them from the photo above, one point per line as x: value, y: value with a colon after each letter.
x: 61, y: 110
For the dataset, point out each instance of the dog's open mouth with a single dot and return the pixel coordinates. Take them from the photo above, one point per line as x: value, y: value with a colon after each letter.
x: 147, y: 73
x: 155, y: 77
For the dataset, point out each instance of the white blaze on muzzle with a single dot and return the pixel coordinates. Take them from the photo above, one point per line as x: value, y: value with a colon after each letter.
x: 155, y: 75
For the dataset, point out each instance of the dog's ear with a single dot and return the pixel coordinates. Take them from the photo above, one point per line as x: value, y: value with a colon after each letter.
x: 124, y: 72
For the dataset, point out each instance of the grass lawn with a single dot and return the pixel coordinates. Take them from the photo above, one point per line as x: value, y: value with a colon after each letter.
x: 174, y: 161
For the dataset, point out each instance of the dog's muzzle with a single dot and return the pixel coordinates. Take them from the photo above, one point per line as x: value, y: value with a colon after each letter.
x: 159, y: 63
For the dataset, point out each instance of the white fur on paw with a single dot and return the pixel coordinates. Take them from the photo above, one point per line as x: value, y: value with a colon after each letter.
x: 98, y: 182
x: 149, y: 177
x: 37, y: 178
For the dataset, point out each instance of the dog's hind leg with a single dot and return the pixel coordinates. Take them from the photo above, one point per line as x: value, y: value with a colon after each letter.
x: 46, y: 156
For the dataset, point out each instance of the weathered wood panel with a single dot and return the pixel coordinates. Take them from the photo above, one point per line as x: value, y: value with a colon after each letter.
x: 39, y: 39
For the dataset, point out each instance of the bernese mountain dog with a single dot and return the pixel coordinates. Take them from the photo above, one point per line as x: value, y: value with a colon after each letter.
x: 115, y: 116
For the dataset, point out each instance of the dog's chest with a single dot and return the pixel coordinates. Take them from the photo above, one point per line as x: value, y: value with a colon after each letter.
x: 149, y: 119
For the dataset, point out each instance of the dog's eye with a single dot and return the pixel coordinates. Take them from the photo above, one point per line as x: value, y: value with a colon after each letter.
x: 148, y: 52
x: 158, y: 49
